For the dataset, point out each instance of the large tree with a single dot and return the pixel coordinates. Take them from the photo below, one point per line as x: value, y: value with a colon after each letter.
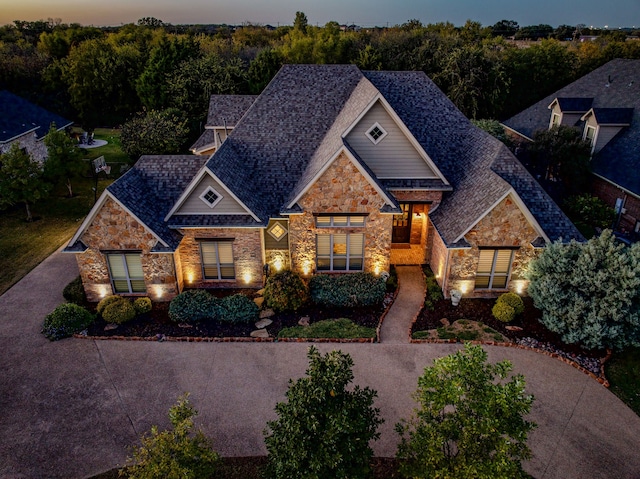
x: 154, y: 133
x: 21, y: 179
x: 467, y: 424
x: 64, y: 161
x: 323, y: 430
x: 589, y: 293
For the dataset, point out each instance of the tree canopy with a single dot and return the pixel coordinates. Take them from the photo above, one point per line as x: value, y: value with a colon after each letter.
x: 64, y: 159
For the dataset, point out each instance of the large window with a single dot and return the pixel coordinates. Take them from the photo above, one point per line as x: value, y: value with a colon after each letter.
x: 217, y: 260
x: 126, y: 272
x: 494, y: 267
x: 340, y: 252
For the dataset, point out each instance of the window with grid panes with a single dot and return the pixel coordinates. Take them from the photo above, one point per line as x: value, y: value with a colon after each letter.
x: 494, y: 267
x: 340, y: 252
x: 217, y: 260
x: 126, y: 272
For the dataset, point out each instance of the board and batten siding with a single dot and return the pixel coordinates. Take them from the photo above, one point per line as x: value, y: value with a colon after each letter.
x: 394, y: 156
x: 194, y: 204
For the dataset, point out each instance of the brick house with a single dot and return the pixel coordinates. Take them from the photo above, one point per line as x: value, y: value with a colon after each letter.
x: 330, y: 169
x: 605, y: 106
x: 26, y: 124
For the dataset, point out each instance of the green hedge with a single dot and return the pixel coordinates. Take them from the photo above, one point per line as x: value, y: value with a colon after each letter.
x: 434, y: 293
x: 507, y: 307
x: 285, y: 291
x: 347, y: 290
x: 237, y: 309
x: 74, y: 292
x: 142, y: 305
x: 102, y: 305
x: 513, y: 300
x: 119, y: 312
x: 193, y: 305
x: 66, y: 320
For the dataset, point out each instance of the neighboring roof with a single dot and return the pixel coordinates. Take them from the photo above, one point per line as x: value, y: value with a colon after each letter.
x: 615, y: 89
x: 226, y: 110
x: 19, y: 116
x: 573, y: 105
x: 206, y: 141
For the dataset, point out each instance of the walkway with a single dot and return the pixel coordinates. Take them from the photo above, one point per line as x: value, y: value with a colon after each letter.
x: 71, y: 409
x: 396, y: 324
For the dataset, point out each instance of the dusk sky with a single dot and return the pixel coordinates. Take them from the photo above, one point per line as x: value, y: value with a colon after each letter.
x: 600, y: 13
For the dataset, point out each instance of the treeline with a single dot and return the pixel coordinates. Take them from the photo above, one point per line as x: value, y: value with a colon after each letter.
x: 103, y: 76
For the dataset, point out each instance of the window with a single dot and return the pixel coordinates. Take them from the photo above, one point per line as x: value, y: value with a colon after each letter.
x: 555, y: 119
x: 376, y: 133
x: 344, y: 220
x: 277, y: 231
x: 340, y: 252
x: 126, y: 273
x: 494, y: 267
x: 590, y: 135
x: 217, y: 260
x: 211, y: 197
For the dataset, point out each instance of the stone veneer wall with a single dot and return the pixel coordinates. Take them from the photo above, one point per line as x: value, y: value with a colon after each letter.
x: 36, y: 148
x: 341, y: 189
x: 438, y: 259
x: 247, y: 257
x: 504, y: 226
x: 113, y: 229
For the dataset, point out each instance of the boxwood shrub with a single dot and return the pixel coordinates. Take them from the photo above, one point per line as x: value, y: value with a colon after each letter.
x: 193, y: 305
x: 74, y: 292
x: 347, y: 290
x: 237, y: 309
x: 65, y: 320
x: 503, y: 312
x: 285, y: 291
x: 142, y: 305
x: 102, y: 305
x: 119, y: 312
x: 513, y: 300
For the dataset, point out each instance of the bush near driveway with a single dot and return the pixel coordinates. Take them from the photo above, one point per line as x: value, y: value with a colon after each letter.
x: 66, y: 320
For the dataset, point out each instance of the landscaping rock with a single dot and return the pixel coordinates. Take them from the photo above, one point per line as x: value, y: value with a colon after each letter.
x: 445, y: 322
x: 263, y: 323
x: 259, y: 302
x: 513, y: 328
x: 267, y: 313
x: 185, y: 325
x: 260, y: 292
x: 259, y: 333
x: 304, y: 321
x: 110, y: 327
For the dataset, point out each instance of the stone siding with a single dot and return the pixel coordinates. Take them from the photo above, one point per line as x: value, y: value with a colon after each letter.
x: 36, y: 148
x: 341, y: 189
x: 438, y: 259
x: 113, y: 229
x: 247, y: 257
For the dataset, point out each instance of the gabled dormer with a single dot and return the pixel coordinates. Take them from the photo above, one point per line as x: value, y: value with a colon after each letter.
x: 602, y: 124
x: 568, y: 111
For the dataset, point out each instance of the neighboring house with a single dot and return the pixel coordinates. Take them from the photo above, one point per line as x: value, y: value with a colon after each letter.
x: 330, y: 169
x: 605, y: 106
x: 26, y: 124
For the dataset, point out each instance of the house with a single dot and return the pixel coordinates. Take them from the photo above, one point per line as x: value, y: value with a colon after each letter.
x: 605, y: 106
x: 26, y: 124
x: 331, y: 169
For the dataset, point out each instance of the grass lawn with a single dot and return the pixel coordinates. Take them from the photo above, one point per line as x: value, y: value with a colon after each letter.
x: 329, y: 328
x: 623, y: 372
x: 25, y: 245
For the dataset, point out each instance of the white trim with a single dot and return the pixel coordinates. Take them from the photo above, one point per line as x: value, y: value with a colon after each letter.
x: 211, y: 189
x: 383, y: 132
x: 553, y: 115
x: 326, y: 166
x: 98, y: 206
x: 520, y: 204
x: 516, y: 132
x: 403, y: 128
x: 591, y: 112
x: 196, y: 180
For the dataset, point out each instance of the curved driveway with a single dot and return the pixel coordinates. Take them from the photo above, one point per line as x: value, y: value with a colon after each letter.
x: 71, y: 409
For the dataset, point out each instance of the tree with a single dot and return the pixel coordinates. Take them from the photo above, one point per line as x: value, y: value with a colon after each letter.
x: 154, y: 133
x: 589, y: 293
x: 300, y: 23
x: 263, y: 68
x: 495, y: 129
x: 588, y: 213
x: 64, y: 160
x: 21, y: 179
x: 505, y: 28
x: 174, y: 454
x: 323, y: 431
x: 467, y: 425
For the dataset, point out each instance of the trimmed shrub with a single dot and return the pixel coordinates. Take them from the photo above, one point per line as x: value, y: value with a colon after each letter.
x: 102, y: 305
x: 237, y: 309
x: 503, y: 312
x: 65, y: 320
x: 513, y: 300
x: 434, y: 293
x: 347, y: 290
x: 285, y: 291
x: 119, y: 312
x: 74, y: 292
x: 193, y: 305
x: 142, y: 305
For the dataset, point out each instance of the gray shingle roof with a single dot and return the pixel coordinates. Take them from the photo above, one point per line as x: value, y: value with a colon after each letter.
x: 615, y: 85
x: 613, y: 116
x: 228, y: 109
x: 19, y: 116
x: 207, y: 139
x: 577, y: 105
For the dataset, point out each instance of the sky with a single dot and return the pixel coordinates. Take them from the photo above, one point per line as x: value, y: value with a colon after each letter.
x: 597, y: 13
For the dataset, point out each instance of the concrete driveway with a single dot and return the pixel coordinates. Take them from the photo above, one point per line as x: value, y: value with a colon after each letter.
x: 71, y: 409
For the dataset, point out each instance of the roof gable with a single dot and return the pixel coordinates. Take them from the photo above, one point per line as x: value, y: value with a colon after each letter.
x: 572, y: 105
x: 227, y: 110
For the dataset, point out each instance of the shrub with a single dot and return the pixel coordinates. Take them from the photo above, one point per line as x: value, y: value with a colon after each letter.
x: 285, y: 291
x: 74, y: 292
x: 503, y: 312
x: 65, y: 320
x: 237, y: 309
x: 193, y: 305
x: 392, y: 280
x: 142, y: 305
x: 513, y: 300
x: 102, y: 305
x: 347, y: 290
x: 119, y: 312
x: 434, y: 293
x: 329, y: 328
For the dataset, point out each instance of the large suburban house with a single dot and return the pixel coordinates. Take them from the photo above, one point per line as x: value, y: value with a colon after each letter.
x: 331, y: 169
x: 26, y: 124
x: 605, y: 106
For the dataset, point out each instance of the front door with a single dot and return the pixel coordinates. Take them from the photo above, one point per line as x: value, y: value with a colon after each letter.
x: 402, y: 225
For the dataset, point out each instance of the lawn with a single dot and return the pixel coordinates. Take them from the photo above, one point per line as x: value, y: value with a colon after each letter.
x: 623, y: 372
x: 25, y: 245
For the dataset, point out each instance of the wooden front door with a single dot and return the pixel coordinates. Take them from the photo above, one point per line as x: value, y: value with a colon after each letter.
x: 402, y: 225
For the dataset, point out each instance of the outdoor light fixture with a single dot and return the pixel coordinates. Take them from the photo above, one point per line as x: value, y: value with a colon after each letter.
x: 247, y: 278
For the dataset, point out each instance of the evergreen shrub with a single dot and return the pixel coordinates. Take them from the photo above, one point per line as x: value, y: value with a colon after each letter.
x: 142, y: 305
x: 285, y: 291
x: 237, y: 309
x: 102, y: 305
x: 193, y: 305
x: 503, y: 312
x: 74, y: 292
x: 347, y: 290
x: 119, y: 312
x: 66, y: 320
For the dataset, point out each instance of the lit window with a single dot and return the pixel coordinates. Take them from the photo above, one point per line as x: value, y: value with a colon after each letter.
x: 126, y: 273
x: 356, y: 221
x: 340, y: 252
x: 211, y: 197
x: 277, y: 231
x: 494, y: 267
x: 555, y: 119
x: 590, y: 135
x: 376, y: 133
x: 217, y: 260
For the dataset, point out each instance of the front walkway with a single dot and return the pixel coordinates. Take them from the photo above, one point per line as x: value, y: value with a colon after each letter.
x: 412, y: 287
x: 72, y: 408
